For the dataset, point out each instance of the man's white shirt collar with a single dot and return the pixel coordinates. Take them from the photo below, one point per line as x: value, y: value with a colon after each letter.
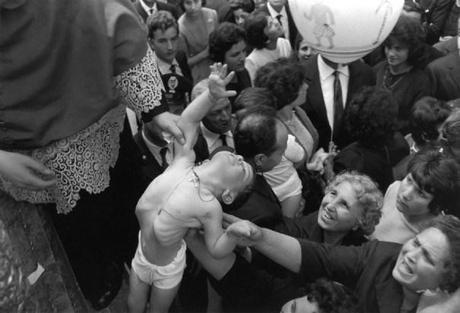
x: 325, y: 70
x: 147, y: 8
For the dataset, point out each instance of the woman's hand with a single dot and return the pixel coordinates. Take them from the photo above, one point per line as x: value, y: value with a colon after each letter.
x: 25, y: 172
x: 218, y: 79
x: 247, y: 233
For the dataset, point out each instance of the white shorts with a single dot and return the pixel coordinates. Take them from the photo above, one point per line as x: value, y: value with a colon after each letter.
x: 162, y: 277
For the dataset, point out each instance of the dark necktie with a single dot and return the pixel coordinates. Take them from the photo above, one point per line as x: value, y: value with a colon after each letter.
x: 151, y: 10
x: 164, y: 162
x: 172, y: 68
x: 338, y: 104
x: 223, y: 138
x: 278, y: 17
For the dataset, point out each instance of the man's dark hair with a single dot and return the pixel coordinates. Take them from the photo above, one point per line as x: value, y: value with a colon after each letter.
x: 255, y: 132
x: 161, y: 20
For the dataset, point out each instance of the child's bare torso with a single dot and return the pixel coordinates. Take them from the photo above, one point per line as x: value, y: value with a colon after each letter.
x: 168, y: 208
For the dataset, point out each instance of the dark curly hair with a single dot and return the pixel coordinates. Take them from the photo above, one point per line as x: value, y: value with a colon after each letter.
x: 332, y: 297
x: 252, y: 97
x: 223, y: 38
x: 439, y: 175
x: 408, y: 32
x: 283, y: 78
x: 255, y: 132
x: 371, y: 116
x: 450, y: 226
x: 160, y: 20
x: 427, y: 116
x: 254, y: 26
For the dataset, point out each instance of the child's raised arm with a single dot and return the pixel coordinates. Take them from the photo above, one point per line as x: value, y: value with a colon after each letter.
x: 195, y: 111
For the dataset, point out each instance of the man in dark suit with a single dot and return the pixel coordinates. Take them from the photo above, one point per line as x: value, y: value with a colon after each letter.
x: 155, y: 152
x: 145, y: 8
x: 445, y: 76
x: 329, y: 81
x: 279, y: 9
x: 172, y: 63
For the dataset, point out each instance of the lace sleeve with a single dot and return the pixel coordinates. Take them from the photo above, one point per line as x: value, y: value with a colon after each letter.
x: 141, y: 87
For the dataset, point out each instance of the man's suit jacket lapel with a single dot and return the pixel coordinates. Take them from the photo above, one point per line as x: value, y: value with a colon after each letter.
x: 150, y: 165
x: 292, y: 27
x: 140, y: 10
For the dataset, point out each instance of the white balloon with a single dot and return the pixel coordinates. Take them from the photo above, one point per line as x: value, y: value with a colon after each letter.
x: 345, y: 30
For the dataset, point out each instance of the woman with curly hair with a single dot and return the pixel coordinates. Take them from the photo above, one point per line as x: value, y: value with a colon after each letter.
x: 349, y: 211
x: 400, y: 72
x: 371, y: 120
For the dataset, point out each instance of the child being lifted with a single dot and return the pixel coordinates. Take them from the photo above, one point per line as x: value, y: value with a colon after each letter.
x: 185, y: 196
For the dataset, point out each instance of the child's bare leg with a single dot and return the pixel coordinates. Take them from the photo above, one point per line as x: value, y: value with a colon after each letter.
x: 138, y: 294
x: 161, y: 299
x: 291, y: 206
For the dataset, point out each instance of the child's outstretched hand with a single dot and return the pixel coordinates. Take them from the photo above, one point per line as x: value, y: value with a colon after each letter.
x: 218, y: 79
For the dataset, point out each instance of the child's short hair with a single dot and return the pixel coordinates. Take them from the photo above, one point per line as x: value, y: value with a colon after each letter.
x: 160, y: 20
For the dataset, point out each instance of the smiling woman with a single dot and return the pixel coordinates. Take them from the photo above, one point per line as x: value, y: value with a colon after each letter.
x: 384, y: 276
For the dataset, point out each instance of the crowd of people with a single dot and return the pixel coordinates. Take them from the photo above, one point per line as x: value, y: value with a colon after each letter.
x: 207, y: 149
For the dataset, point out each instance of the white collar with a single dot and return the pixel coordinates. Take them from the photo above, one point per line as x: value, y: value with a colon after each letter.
x: 164, y: 66
x: 325, y: 70
x: 147, y: 8
x: 274, y: 13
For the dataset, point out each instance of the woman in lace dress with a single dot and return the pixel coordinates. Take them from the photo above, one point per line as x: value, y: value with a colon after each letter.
x: 65, y: 82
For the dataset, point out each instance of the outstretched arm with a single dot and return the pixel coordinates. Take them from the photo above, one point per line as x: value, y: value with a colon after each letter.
x: 282, y: 249
x: 195, y: 111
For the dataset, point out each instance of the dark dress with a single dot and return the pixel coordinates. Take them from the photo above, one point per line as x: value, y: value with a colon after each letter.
x: 406, y: 89
x: 373, y: 162
x: 366, y: 269
x: 262, y: 285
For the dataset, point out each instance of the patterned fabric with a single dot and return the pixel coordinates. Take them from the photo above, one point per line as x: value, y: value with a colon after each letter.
x: 83, y: 160
x: 141, y: 87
